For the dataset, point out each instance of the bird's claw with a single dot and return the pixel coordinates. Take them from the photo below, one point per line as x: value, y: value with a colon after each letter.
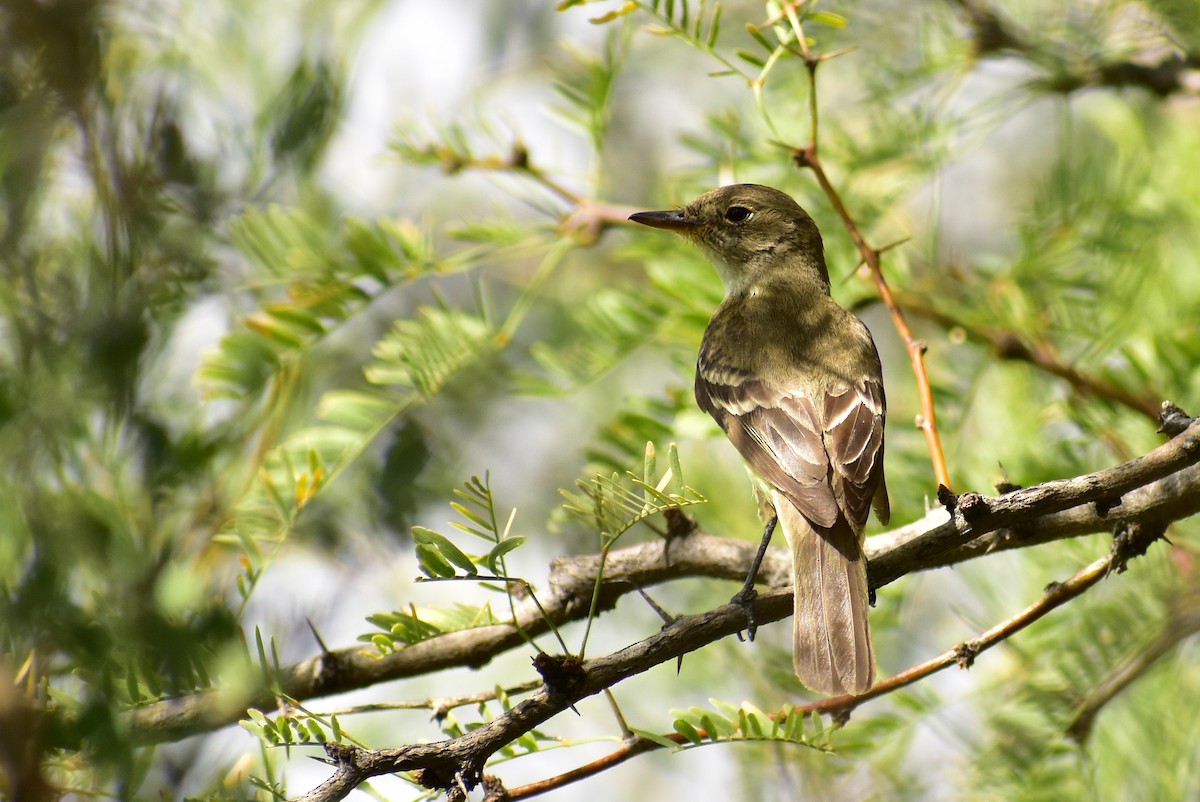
x: 744, y: 598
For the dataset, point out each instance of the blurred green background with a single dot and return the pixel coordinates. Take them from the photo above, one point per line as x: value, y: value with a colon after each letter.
x: 277, y: 278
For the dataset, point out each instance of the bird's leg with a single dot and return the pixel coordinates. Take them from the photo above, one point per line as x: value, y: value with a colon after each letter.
x: 746, y: 596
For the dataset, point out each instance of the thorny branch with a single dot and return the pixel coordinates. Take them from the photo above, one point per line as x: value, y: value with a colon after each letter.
x: 1160, y: 487
x: 840, y: 708
x: 1142, y: 495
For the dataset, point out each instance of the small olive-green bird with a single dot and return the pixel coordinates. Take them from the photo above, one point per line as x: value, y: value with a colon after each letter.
x: 795, y: 382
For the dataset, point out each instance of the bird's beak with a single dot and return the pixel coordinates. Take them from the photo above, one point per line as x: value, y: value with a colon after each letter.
x: 674, y: 220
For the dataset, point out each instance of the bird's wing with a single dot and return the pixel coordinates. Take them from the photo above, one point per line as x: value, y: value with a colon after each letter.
x: 777, y: 432
x: 825, y: 455
x: 852, y: 421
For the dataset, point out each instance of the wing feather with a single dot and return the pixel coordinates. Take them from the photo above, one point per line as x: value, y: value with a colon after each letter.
x: 825, y: 455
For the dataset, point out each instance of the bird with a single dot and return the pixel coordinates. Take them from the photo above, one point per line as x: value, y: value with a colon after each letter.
x: 795, y: 382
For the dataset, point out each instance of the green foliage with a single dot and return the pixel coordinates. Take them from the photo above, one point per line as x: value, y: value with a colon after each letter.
x: 160, y: 177
x: 406, y: 629
x: 1025, y: 748
x: 425, y: 352
x: 613, y: 505
x: 726, y: 722
x: 478, y: 509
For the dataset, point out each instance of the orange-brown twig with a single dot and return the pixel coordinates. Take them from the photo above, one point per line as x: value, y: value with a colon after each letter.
x: 808, y: 157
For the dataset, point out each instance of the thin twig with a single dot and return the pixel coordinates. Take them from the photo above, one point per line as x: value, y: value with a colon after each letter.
x: 1009, y: 345
x: 809, y: 157
x: 439, y: 707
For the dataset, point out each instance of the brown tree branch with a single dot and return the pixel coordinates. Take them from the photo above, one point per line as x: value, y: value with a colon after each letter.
x: 1162, y: 486
x: 459, y: 761
x: 962, y: 655
x: 1172, y: 498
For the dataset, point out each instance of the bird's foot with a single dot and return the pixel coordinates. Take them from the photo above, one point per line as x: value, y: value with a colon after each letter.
x: 744, y: 598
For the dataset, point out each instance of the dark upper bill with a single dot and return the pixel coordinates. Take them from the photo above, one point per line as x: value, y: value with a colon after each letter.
x: 673, y: 220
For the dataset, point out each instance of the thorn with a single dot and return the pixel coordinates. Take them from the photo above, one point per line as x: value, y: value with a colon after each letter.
x: 313, y: 629
x: 667, y: 618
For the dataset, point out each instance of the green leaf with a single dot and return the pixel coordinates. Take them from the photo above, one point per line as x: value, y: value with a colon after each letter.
x: 655, y: 737
x: 472, y: 516
x: 828, y: 18
x: 426, y: 351
x: 688, y: 731
x: 315, y: 731
x: 758, y: 36
x: 714, y: 27
x: 613, y: 505
x: 356, y: 410
x: 445, y: 548
x: 750, y: 58
x: 502, y: 548
x: 258, y: 717
x: 431, y: 562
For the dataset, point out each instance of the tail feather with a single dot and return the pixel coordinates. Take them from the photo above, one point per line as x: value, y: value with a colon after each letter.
x: 831, y: 647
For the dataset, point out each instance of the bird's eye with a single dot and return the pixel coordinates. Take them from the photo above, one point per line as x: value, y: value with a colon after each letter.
x: 737, y: 214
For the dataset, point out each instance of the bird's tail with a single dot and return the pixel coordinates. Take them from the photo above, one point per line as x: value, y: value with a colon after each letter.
x: 831, y: 636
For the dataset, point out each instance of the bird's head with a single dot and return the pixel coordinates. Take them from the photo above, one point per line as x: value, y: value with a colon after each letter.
x: 746, y: 230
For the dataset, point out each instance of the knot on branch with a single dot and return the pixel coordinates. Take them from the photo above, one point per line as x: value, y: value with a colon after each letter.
x: 449, y: 778
x: 679, y: 524
x: 493, y: 789
x: 341, y: 756
x: 563, y: 675
x: 1132, y: 540
x: 965, y: 654
x: 973, y: 506
x: 331, y: 671
x: 1172, y: 420
x: 1105, y: 505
